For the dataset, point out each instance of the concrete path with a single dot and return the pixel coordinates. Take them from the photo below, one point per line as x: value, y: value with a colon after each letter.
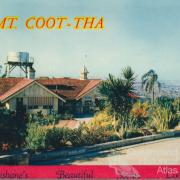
x: 162, y: 152
x: 84, y: 118
x: 159, y: 152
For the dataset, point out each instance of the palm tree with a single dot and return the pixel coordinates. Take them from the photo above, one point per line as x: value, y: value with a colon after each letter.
x: 117, y: 91
x: 149, y: 82
x: 0, y: 69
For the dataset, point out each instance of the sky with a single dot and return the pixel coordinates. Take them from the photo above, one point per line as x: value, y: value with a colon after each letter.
x: 143, y: 34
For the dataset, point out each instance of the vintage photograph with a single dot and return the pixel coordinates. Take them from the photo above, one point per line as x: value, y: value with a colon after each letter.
x: 92, y: 83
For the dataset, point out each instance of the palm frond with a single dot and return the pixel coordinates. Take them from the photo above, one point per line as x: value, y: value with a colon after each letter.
x: 128, y: 73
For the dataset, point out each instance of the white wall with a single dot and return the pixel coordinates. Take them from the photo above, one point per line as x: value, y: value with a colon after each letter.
x: 33, y: 90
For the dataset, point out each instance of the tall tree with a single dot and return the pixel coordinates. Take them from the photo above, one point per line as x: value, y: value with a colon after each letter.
x: 149, y: 82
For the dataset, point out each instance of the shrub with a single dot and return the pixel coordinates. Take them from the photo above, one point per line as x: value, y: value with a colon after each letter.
x: 12, y: 128
x: 6, y: 148
x: 114, y: 137
x: 102, y: 119
x: 140, y: 114
x: 163, y: 119
x: 66, y: 116
x: 95, y: 135
x: 151, y: 127
x: 36, y: 137
x: 140, y: 110
x: 178, y: 126
x: 132, y: 134
x: 76, y: 136
x: 44, y: 120
x: 85, y: 135
x: 176, y: 104
x: 165, y: 102
x: 56, y: 137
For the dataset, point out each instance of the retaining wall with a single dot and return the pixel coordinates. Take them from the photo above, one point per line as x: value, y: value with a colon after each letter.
x: 15, y: 159
x: 24, y: 158
x: 101, y: 147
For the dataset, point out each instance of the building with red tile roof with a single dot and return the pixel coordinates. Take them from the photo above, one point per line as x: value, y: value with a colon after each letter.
x: 47, y: 94
x: 68, y: 88
x: 11, y: 86
x: 80, y: 95
x: 26, y: 95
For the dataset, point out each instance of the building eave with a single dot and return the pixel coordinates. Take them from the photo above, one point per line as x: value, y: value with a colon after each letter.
x: 30, y: 84
x: 78, y: 97
x: 17, y: 92
x: 50, y: 91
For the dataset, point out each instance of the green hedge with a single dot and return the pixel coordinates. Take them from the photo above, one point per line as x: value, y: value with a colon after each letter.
x: 56, y: 137
x: 84, y: 136
x: 36, y: 137
x: 41, y: 138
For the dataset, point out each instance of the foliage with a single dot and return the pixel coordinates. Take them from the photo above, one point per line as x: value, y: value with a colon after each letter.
x: 117, y: 91
x: 100, y: 103
x: 4, y: 148
x: 36, y: 137
x: 132, y: 133
x: 163, y: 118
x: 45, y: 120
x: 12, y: 128
x: 105, y: 120
x: 66, y: 116
x: 42, y: 120
x: 176, y: 104
x: 140, y: 112
x: 178, y: 126
x: 149, y: 82
x: 128, y: 122
x: 102, y: 119
x: 39, y: 137
x: 75, y: 136
x: 165, y: 102
x: 56, y: 137
x: 85, y: 135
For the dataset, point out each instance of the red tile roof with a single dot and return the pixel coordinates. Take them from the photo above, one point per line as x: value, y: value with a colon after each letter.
x: 8, y: 83
x: 66, y: 88
x: 92, y: 84
x: 9, y: 86
x: 133, y: 96
x: 69, y: 88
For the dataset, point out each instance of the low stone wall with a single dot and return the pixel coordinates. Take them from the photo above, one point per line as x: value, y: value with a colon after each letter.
x: 24, y: 158
x: 15, y: 159
x: 100, y: 147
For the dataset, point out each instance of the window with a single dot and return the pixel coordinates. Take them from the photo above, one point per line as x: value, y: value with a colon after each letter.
x: 32, y: 107
x: 47, y: 107
x: 40, y: 101
x: 52, y: 87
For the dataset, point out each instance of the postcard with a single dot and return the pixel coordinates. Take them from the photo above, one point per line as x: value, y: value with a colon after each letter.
x: 89, y: 89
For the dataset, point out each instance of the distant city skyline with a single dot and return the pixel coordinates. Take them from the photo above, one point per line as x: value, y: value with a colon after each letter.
x: 138, y: 33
